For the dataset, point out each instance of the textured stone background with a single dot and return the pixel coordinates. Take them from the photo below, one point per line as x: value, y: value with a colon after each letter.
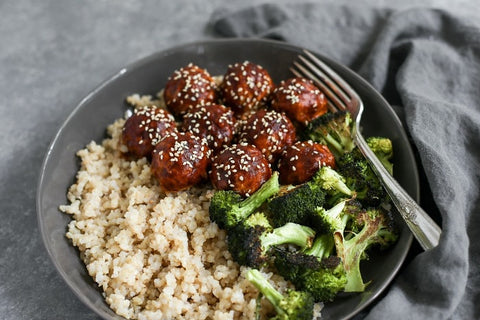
x: 53, y: 53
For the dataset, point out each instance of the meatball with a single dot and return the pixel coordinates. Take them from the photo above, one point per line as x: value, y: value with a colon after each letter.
x: 269, y: 131
x: 214, y: 123
x: 188, y: 87
x: 244, y: 86
x: 241, y: 168
x: 142, y: 131
x: 300, y: 161
x: 300, y: 99
x: 179, y: 161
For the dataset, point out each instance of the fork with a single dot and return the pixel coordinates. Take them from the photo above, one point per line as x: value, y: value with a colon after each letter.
x: 341, y: 96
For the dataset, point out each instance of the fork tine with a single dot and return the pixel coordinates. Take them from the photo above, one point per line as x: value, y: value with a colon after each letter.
x: 334, y: 104
x: 328, y: 81
x: 331, y: 106
x: 326, y: 90
x: 332, y: 74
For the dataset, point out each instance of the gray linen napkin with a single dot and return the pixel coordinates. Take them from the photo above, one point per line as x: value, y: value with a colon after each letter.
x: 428, y: 61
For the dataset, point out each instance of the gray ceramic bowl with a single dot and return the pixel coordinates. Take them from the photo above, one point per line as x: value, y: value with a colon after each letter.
x: 106, y: 103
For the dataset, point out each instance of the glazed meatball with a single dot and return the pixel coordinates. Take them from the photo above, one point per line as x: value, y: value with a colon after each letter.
x: 244, y: 86
x: 300, y: 161
x: 179, y: 161
x: 188, y: 87
x: 269, y: 131
x: 300, y: 99
x: 142, y: 131
x: 214, y: 123
x: 241, y: 168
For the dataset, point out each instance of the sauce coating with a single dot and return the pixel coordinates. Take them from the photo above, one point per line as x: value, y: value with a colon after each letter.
x: 215, y: 123
x: 269, y: 131
x: 241, y: 168
x: 244, y: 86
x: 300, y: 161
x: 188, y: 87
x: 300, y: 99
x: 179, y: 161
x: 144, y: 129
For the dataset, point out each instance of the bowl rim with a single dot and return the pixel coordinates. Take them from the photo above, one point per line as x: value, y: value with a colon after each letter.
x: 226, y: 41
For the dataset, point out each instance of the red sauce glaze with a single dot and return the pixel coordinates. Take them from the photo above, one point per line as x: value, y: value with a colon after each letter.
x: 241, y: 168
x: 300, y: 99
x: 188, y: 87
x: 215, y: 123
x: 244, y: 86
x: 269, y: 131
x: 142, y: 131
x: 180, y: 161
x: 300, y: 161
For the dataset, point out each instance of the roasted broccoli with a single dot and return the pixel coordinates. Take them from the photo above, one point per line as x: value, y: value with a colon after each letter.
x: 383, y: 149
x: 227, y: 208
x: 342, y: 216
x: 360, y: 177
x: 296, y: 204
x: 316, y: 270
x: 374, y: 226
x: 322, y: 247
x: 333, y: 219
x: 250, y: 241
x: 242, y: 240
x: 294, y: 305
x: 333, y: 129
x: 333, y: 183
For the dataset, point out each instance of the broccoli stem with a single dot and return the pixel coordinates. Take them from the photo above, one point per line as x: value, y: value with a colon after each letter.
x: 342, y: 187
x: 334, y: 219
x: 334, y: 143
x: 352, y: 250
x: 336, y: 211
x: 289, y: 233
x: 322, y: 247
x: 351, y: 257
x: 256, y: 278
x: 268, y: 189
x: 354, y: 279
x: 331, y: 180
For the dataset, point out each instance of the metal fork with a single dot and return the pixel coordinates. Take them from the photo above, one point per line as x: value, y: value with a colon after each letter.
x: 341, y: 96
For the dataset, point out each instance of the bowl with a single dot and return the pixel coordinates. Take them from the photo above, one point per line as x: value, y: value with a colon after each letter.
x: 106, y: 103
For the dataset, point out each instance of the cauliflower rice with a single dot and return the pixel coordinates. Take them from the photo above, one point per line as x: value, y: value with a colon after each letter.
x: 153, y: 255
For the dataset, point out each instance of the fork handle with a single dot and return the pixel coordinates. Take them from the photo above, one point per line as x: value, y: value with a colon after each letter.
x: 425, y: 230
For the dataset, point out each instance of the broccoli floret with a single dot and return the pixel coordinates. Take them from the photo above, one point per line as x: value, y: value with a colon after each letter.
x: 333, y: 183
x: 333, y: 129
x: 342, y: 216
x: 383, y: 149
x: 293, y: 264
x: 354, y: 230
x: 322, y: 247
x: 325, y: 283
x: 296, y: 204
x: 378, y: 229
x: 242, y: 240
x: 294, y: 305
x: 360, y: 177
x: 227, y: 208
x: 345, y: 216
x: 332, y: 219
x: 250, y: 242
x: 315, y: 270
